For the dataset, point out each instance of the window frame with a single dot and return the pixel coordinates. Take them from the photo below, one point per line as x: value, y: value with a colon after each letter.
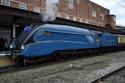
x: 5, y: 2
x: 37, y: 9
x: 22, y: 6
x: 94, y: 13
x: 102, y: 17
x: 70, y: 4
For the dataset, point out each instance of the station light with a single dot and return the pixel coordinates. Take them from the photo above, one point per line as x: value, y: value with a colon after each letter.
x: 22, y: 47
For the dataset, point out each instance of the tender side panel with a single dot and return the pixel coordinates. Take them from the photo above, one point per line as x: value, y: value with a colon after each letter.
x: 108, y: 40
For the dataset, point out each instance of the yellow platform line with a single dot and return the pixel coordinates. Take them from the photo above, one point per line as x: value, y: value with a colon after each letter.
x: 5, y: 62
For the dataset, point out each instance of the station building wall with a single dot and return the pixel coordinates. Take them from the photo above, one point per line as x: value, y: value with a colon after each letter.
x: 83, y: 11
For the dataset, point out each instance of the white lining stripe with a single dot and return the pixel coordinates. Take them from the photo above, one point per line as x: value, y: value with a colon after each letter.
x: 4, y: 54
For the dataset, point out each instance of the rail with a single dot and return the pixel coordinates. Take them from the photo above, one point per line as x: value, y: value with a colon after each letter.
x: 107, y: 75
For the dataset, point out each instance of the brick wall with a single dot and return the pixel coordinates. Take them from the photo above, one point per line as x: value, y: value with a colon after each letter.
x: 82, y: 10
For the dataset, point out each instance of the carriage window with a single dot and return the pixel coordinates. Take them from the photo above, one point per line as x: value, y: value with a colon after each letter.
x: 47, y: 33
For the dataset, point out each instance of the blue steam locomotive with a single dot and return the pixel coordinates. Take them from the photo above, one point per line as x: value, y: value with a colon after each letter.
x: 47, y: 39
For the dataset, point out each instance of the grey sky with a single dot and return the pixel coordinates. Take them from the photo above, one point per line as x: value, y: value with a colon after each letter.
x: 117, y: 7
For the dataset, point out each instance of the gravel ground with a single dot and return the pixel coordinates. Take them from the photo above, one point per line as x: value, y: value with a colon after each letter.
x: 117, y: 78
x: 78, y: 73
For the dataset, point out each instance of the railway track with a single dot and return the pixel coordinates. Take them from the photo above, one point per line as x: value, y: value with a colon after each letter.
x: 70, y: 69
x: 50, y: 69
x: 18, y: 67
x: 101, y: 78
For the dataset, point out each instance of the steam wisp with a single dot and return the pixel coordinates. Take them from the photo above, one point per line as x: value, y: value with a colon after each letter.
x: 51, y: 9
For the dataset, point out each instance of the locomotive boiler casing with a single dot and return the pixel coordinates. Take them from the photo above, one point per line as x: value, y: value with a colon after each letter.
x: 49, y: 38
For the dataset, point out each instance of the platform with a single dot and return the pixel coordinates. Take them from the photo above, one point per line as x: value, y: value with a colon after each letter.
x: 4, y: 60
x: 4, y: 53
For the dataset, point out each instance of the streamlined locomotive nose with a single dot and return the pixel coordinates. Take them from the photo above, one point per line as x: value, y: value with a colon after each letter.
x: 50, y: 38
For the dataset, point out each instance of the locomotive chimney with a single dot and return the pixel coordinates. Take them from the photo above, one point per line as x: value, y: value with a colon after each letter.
x: 111, y: 21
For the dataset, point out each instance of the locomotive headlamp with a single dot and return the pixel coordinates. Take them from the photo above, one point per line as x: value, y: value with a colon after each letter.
x: 22, y: 47
x: 12, y: 45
